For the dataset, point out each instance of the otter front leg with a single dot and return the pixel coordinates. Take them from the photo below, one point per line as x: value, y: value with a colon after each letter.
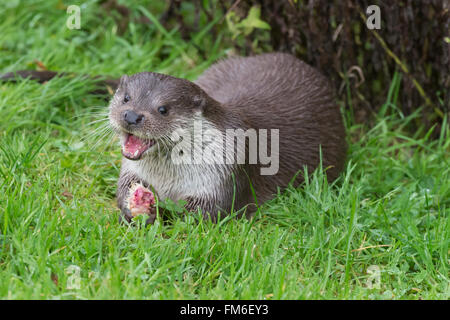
x: 135, y: 198
x: 207, y: 207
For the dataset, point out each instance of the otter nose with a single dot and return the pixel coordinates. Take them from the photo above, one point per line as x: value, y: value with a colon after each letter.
x: 132, y: 117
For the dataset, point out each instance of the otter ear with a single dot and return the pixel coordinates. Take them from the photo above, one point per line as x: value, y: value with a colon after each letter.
x: 123, y: 80
x: 199, y: 102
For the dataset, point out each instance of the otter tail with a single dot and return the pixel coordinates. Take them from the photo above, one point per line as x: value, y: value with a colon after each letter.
x: 44, y: 76
x: 40, y: 76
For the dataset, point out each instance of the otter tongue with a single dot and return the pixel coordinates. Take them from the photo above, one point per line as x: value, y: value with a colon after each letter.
x: 134, y: 147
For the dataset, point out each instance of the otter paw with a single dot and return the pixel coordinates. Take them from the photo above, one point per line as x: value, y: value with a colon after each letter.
x: 141, y: 201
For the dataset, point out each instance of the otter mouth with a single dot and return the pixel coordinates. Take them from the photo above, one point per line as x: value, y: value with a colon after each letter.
x: 134, y: 147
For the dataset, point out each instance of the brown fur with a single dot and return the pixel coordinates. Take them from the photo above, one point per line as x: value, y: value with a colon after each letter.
x: 270, y: 91
x: 280, y: 91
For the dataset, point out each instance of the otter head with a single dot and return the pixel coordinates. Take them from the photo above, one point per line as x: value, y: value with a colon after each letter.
x: 147, y: 107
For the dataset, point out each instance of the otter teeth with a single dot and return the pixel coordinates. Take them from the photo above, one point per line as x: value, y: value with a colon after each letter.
x: 133, y: 146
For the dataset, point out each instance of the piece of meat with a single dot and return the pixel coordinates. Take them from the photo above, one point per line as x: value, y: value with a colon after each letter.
x: 141, y: 201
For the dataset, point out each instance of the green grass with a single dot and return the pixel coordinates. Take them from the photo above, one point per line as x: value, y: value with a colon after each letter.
x: 388, y: 212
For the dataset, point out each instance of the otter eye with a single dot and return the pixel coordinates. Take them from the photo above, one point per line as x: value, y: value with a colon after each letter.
x: 162, y: 110
x: 126, y: 98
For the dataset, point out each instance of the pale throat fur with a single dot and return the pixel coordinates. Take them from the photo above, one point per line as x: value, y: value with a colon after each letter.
x: 178, y: 181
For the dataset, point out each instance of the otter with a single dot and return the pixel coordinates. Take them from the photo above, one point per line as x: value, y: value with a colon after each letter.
x: 247, y: 95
